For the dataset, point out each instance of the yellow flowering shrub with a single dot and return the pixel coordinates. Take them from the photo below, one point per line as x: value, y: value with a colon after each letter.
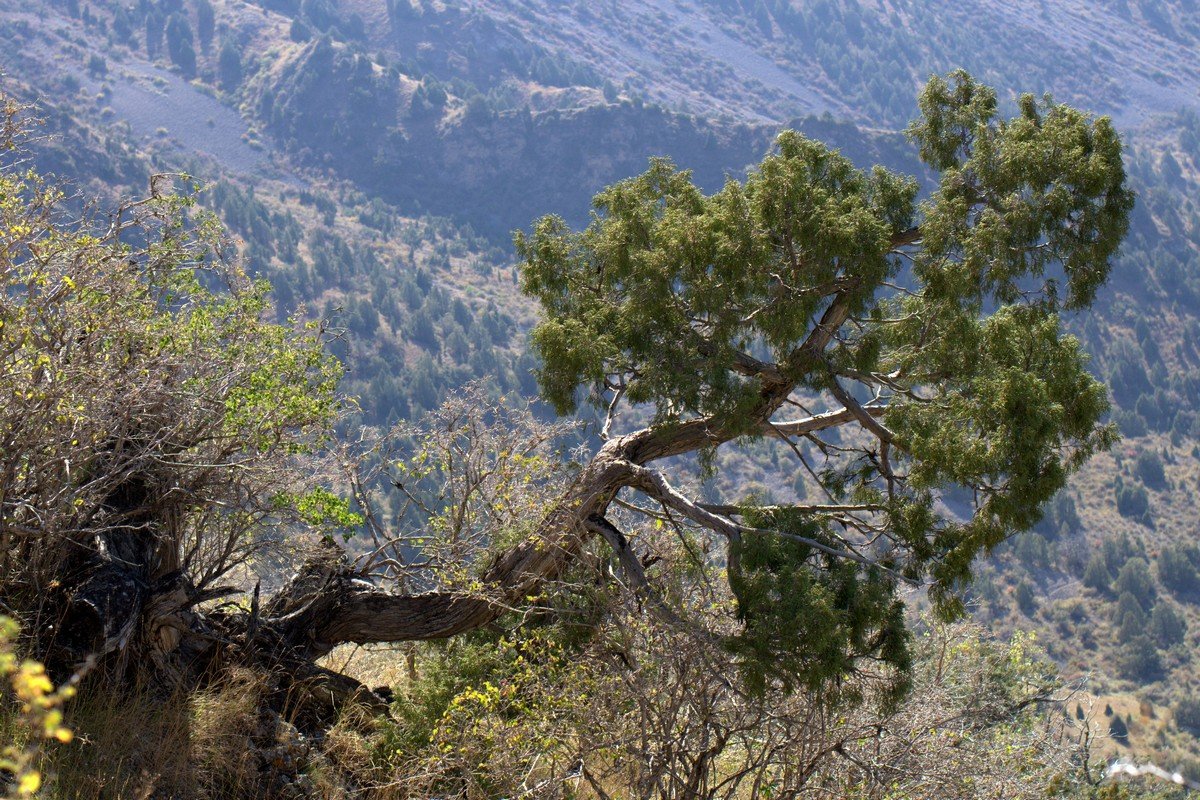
x: 34, y: 708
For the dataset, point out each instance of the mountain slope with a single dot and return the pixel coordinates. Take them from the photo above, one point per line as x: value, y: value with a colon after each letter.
x: 373, y: 157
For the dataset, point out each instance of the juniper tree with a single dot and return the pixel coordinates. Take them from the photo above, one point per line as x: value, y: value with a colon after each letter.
x: 809, y: 301
x: 815, y: 296
x: 908, y: 357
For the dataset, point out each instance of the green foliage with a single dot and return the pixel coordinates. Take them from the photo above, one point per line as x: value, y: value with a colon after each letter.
x: 1026, y: 600
x: 1061, y: 519
x: 298, y: 31
x: 322, y: 508
x: 229, y: 65
x: 1032, y: 550
x: 179, y: 43
x: 1179, y: 569
x: 625, y: 293
x: 1134, y: 578
x: 808, y: 617
x: 703, y: 306
x: 162, y: 343
x: 1149, y: 469
x: 1133, y: 502
x: 31, y: 716
x: 205, y: 22
x: 97, y: 66
x: 1031, y: 174
x: 1187, y: 714
x: 1167, y: 625
x: 1097, y: 575
x: 1138, y: 660
x: 1131, y: 618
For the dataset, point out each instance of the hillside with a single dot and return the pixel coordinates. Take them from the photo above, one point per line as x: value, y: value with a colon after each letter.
x: 373, y: 157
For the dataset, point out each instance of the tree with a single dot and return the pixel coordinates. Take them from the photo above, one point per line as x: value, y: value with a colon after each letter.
x: 1026, y: 600
x: 1135, y: 579
x: 1166, y: 624
x: 154, y: 33
x: 1149, y: 468
x: 1138, y: 660
x: 179, y: 43
x: 229, y: 65
x: 1131, y: 618
x: 728, y: 311
x: 97, y: 65
x: 1187, y: 714
x: 1179, y: 569
x: 1096, y: 575
x: 813, y: 298
x: 163, y: 424
x: 205, y: 23
x: 1133, y: 502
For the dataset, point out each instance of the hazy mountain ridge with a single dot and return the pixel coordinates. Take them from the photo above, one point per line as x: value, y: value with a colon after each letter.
x: 864, y: 60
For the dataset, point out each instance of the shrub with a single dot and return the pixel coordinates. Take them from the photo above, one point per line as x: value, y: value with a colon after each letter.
x: 1187, y: 714
x: 1135, y: 579
x: 1138, y: 660
x: 1149, y: 468
x: 1130, y: 617
x: 1133, y: 503
x: 1179, y: 569
x: 1096, y: 575
x: 1166, y: 625
x: 1032, y: 550
x: 1026, y: 600
x: 36, y: 716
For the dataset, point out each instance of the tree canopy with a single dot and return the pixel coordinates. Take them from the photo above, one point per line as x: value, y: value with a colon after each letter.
x: 154, y: 422
x: 815, y: 296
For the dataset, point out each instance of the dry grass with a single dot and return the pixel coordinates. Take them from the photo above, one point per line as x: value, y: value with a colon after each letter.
x: 126, y: 746
x: 141, y: 744
x: 223, y: 720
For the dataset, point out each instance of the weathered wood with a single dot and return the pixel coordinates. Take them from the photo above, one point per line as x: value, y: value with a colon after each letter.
x: 101, y: 614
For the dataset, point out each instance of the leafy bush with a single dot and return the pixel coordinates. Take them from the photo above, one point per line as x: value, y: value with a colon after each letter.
x: 1130, y: 617
x: 1138, y: 660
x: 1133, y: 503
x: 1166, y: 624
x: 1135, y: 579
x: 1149, y: 468
x: 1187, y: 714
x: 159, y: 413
x: 1032, y: 550
x: 36, y: 714
x: 1179, y: 569
x: 1026, y: 600
x: 1096, y: 575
